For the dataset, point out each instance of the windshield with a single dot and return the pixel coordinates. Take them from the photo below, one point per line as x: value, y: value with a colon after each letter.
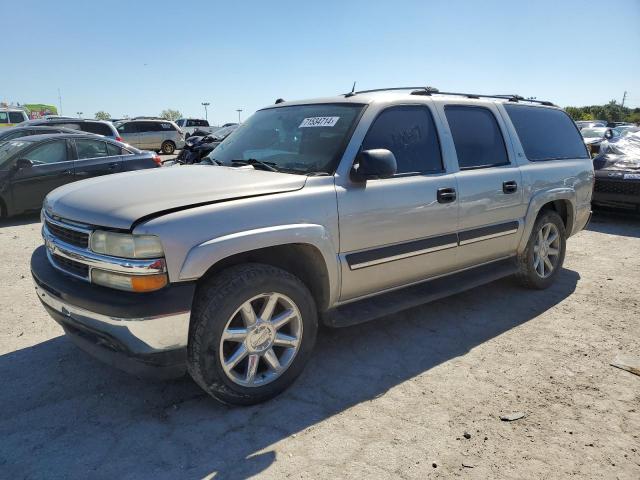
x: 593, y: 132
x: 8, y: 148
x: 299, y: 139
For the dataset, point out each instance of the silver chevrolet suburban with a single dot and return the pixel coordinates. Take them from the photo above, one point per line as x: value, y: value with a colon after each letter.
x: 334, y: 210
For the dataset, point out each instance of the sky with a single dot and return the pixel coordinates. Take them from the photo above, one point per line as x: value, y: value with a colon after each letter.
x: 141, y: 57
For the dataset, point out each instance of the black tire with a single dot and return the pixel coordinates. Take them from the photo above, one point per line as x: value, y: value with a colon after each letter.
x: 527, y: 275
x: 216, y: 301
x: 168, y: 147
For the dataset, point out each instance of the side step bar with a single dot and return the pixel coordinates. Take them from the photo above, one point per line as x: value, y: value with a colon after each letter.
x: 413, y: 296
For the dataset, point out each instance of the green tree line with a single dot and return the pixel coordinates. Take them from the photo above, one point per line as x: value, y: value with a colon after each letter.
x: 611, y: 112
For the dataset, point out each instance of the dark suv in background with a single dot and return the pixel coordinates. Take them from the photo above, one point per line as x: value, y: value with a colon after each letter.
x: 98, y: 127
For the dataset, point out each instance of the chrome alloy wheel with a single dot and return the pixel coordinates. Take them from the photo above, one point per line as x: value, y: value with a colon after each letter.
x: 261, y: 339
x: 546, y: 250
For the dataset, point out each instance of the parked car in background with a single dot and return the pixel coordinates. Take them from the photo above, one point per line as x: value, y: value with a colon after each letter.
x: 31, y: 167
x: 591, y: 124
x: 593, y: 137
x: 157, y: 135
x: 98, y: 127
x: 334, y: 210
x: 617, y: 171
x: 190, y: 125
x: 198, y: 147
x: 12, y: 116
x: 18, y: 132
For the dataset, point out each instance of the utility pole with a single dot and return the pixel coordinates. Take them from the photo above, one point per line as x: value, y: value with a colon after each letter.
x: 624, y: 97
x: 79, y: 114
x: 239, y: 112
x: 59, y: 102
x: 205, y: 105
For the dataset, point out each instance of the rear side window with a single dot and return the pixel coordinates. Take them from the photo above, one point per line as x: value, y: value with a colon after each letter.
x: 16, y: 117
x: 477, y: 137
x: 99, y: 128
x: 410, y: 134
x: 546, y: 133
x: 202, y: 123
x: 91, y: 149
x: 114, y: 149
x: 166, y: 126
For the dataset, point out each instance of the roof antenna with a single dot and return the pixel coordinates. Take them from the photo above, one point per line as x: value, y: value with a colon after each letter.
x: 352, y: 92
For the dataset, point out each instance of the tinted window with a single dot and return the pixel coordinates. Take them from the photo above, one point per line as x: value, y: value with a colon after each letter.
x: 50, y: 152
x: 408, y: 132
x: 99, y: 128
x: 166, y: 126
x: 16, y: 117
x: 546, y: 133
x: 180, y: 122
x: 91, y: 149
x: 202, y: 123
x: 477, y: 137
x: 128, y: 128
x: 148, y: 127
x: 191, y: 123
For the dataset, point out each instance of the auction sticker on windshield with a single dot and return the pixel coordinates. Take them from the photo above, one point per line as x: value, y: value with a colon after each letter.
x: 319, y: 122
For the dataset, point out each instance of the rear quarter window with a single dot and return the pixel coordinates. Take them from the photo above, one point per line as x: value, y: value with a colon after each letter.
x: 546, y: 133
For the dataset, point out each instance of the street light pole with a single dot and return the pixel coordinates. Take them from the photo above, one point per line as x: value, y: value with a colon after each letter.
x: 239, y: 110
x: 206, y: 114
x: 79, y: 114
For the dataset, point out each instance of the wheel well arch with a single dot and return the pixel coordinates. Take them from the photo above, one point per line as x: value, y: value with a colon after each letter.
x: 303, y: 260
x: 564, y: 209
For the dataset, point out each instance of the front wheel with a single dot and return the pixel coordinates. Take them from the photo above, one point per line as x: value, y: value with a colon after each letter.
x: 543, y: 256
x: 253, y: 330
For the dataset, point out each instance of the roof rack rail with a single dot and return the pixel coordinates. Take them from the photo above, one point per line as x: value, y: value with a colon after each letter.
x: 434, y: 91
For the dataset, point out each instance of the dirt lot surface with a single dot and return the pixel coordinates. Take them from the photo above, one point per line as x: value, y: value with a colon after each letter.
x: 415, y: 395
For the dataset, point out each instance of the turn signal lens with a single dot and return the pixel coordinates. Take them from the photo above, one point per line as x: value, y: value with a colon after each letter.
x: 129, y: 283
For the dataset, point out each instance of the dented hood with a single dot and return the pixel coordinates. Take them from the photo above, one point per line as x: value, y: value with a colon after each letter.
x: 118, y: 201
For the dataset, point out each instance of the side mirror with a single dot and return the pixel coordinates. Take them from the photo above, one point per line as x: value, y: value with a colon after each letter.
x: 23, y: 163
x: 608, y: 134
x: 374, y: 164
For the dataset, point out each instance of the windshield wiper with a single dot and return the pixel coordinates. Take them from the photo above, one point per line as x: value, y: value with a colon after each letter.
x: 270, y: 166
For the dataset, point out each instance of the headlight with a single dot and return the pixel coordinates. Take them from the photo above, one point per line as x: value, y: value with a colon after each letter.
x: 126, y: 245
x: 129, y: 283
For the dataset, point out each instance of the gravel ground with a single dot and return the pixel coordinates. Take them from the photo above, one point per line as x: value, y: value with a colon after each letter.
x: 415, y: 395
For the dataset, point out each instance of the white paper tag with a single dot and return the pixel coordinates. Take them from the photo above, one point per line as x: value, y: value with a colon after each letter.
x: 632, y: 176
x: 319, y: 122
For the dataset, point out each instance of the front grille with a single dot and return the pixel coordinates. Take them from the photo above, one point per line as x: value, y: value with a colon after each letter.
x: 67, y: 235
x: 619, y: 187
x: 75, y: 268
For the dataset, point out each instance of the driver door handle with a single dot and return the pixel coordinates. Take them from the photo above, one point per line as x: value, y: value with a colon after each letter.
x: 446, y: 195
x: 509, y: 187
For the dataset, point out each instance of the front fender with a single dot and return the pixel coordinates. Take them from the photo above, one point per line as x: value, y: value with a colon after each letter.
x: 541, y: 198
x: 201, y: 257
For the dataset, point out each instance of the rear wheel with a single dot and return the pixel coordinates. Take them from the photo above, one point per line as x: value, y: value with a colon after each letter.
x: 543, y: 257
x: 253, y: 330
x: 168, y: 147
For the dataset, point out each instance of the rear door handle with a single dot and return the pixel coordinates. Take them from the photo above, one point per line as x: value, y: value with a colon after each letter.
x: 509, y: 187
x: 113, y: 166
x: 446, y: 195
